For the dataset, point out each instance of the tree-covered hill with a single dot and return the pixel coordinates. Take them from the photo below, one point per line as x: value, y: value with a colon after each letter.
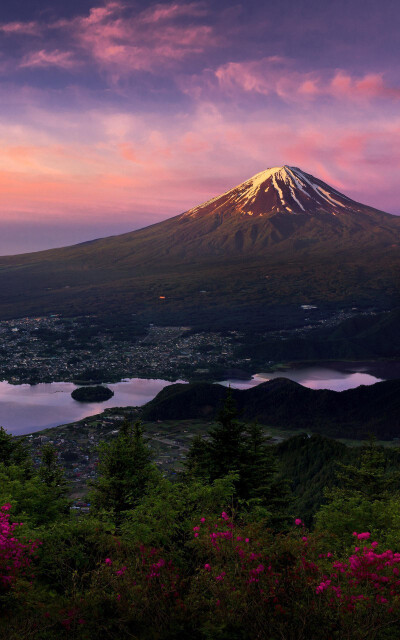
x: 283, y: 403
x: 357, y: 338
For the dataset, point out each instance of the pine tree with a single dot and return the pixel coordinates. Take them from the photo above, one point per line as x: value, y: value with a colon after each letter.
x: 364, y: 496
x: 13, y: 450
x: 50, y: 472
x: 235, y: 447
x: 370, y: 478
x: 125, y: 470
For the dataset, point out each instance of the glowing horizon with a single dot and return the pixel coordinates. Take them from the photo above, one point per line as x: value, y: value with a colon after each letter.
x: 117, y: 115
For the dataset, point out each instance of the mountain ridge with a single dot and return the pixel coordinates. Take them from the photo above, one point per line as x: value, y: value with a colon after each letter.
x: 328, y: 249
x: 286, y: 404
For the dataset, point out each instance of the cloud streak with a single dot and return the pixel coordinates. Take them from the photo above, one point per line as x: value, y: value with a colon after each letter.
x: 276, y: 76
x: 42, y: 58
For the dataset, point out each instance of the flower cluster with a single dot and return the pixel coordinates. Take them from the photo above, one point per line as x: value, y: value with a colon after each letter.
x: 365, y: 576
x: 15, y: 557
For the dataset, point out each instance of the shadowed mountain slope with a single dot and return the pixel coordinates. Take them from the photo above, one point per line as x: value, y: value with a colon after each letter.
x: 283, y: 403
x: 282, y: 237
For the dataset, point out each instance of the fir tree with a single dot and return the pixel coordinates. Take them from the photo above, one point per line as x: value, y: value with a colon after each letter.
x: 235, y: 447
x: 125, y: 470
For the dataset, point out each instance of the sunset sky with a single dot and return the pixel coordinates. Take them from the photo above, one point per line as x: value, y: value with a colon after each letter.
x: 117, y: 115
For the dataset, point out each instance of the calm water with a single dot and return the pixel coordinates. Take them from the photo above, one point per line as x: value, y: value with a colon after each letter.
x: 25, y: 408
x: 312, y: 377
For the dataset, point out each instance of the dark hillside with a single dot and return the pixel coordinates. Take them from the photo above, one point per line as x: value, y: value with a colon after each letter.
x: 282, y: 403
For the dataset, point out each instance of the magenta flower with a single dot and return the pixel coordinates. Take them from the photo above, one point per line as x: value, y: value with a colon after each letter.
x: 364, y: 536
x: 298, y: 521
x: 108, y: 562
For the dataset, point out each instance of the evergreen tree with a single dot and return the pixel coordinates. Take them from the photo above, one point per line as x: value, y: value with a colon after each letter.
x: 125, y: 471
x: 50, y: 472
x: 13, y: 450
x: 370, y: 478
x: 363, y: 497
x: 233, y: 447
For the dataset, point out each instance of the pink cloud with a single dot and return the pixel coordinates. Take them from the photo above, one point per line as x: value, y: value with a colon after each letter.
x: 43, y: 58
x: 123, y: 39
x: 372, y: 85
x: 162, y: 12
x: 146, y: 41
x: 277, y: 76
x: 23, y: 28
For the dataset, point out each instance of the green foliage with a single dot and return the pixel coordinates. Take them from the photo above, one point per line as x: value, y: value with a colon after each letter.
x: 309, y: 464
x: 367, y: 497
x: 70, y: 550
x: 234, y: 447
x: 13, y: 450
x: 125, y: 472
x: 166, y: 514
x: 38, y: 498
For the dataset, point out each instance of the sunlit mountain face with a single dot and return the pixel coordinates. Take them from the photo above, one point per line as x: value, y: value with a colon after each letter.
x: 284, y: 205
x: 281, y: 237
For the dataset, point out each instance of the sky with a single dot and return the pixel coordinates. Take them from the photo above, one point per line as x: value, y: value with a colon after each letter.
x: 115, y: 115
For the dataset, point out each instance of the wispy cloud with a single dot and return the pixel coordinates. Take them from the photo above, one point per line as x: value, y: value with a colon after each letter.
x: 277, y: 76
x: 145, y: 41
x: 56, y: 58
x: 21, y: 28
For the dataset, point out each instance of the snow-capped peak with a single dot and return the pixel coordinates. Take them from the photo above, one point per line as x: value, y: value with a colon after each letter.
x: 275, y: 190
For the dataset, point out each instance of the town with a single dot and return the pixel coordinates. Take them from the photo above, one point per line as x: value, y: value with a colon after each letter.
x: 85, y: 349
x: 49, y: 349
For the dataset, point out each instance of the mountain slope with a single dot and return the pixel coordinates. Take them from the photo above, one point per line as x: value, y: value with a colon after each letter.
x: 282, y: 237
x: 283, y: 403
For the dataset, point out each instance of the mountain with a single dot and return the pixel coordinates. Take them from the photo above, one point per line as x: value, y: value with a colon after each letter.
x: 283, y: 237
x: 283, y: 206
x: 283, y: 403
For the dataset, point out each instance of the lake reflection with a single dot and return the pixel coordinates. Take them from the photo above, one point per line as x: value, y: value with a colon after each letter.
x: 25, y: 408
x: 311, y: 377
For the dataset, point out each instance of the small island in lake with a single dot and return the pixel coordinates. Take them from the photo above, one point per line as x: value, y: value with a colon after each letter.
x: 92, y: 394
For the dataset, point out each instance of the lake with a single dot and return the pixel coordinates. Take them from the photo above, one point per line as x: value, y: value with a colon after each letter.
x: 311, y: 377
x: 25, y: 408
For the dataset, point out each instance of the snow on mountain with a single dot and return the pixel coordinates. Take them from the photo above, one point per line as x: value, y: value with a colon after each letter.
x: 279, y: 190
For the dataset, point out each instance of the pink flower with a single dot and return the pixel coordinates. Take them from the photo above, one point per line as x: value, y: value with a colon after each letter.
x: 364, y: 536
x: 298, y: 521
x: 108, y: 561
x: 247, y: 540
x: 196, y: 535
x: 207, y: 567
x: 202, y: 519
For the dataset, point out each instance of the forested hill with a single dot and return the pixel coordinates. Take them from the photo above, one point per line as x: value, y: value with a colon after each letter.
x: 282, y: 403
x: 362, y: 336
